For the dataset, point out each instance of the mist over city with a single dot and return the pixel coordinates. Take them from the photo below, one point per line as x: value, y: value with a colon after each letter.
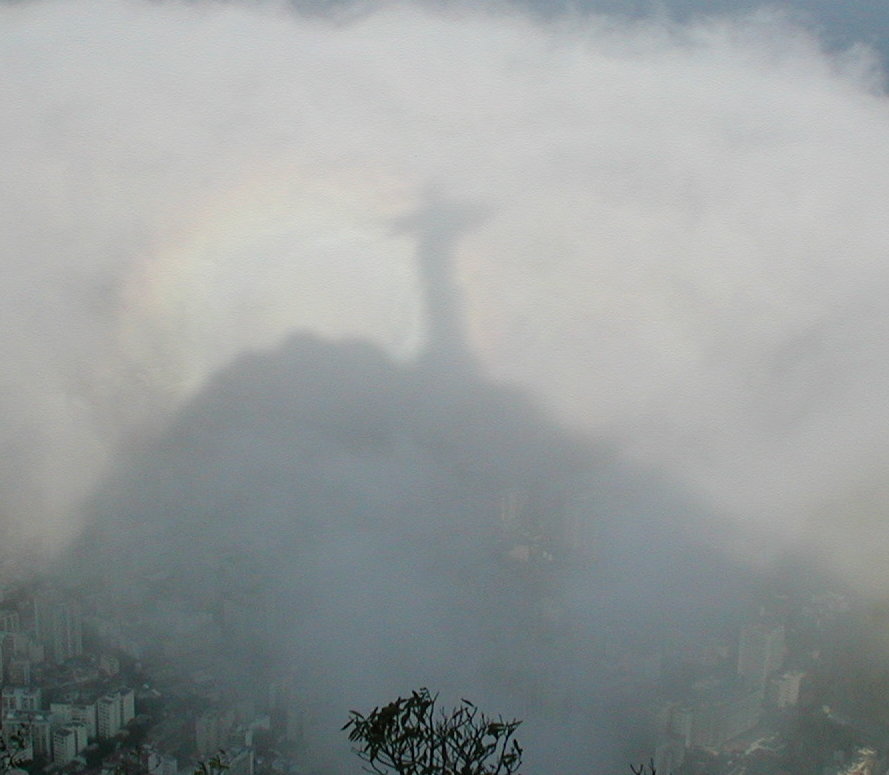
x: 533, y: 352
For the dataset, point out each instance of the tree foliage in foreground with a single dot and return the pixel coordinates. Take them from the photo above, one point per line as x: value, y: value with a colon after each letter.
x: 13, y: 749
x: 412, y: 736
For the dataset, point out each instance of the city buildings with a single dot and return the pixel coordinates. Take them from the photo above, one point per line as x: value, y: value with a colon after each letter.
x: 58, y: 626
x: 36, y: 727
x: 77, y: 712
x: 56, y: 701
x: 113, y: 711
x: 718, y: 711
x: 14, y: 698
x: 67, y: 741
x: 761, y: 652
x: 10, y: 621
x: 784, y: 688
x: 211, y: 731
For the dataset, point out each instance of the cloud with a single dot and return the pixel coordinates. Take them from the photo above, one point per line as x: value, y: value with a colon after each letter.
x: 682, y: 252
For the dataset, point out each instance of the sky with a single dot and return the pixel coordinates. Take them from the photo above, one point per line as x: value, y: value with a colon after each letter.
x: 661, y: 236
x: 681, y: 249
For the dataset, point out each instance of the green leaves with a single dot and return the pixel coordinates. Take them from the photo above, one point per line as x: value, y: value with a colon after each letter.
x: 215, y: 765
x: 411, y: 736
x: 13, y: 749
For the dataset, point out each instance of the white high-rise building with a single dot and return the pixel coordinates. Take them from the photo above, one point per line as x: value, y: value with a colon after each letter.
x: 68, y: 741
x: 241, y: 762
x: 113, y: 711
x: 108, y: 716
x: 9, y: 620
x: 82, y: 713
x: 761, y: 652
x: 785, y: 688
x: 14, y: 698
x: 35, y: 725
x: 58, y: 626
x: 157, y: 763
x: 18, y: 672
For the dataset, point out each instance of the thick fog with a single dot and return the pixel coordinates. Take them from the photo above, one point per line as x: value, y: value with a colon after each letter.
x: 331, y: 317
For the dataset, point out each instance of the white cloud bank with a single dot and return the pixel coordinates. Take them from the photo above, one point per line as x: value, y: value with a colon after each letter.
x: 685, y: 248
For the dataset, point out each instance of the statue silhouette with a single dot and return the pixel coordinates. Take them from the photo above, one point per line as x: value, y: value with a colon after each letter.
x: 439, y: 224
